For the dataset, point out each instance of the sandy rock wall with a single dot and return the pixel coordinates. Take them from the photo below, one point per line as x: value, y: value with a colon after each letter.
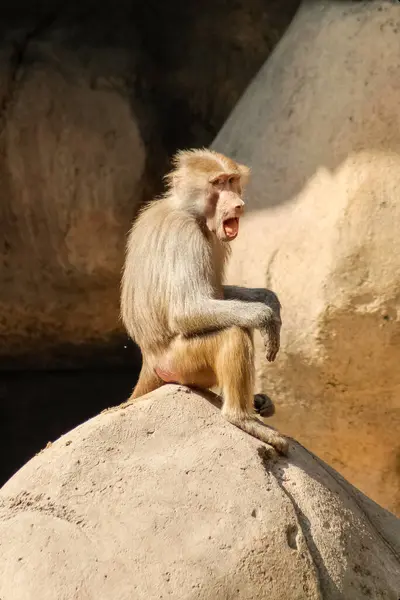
x: 320, y: 128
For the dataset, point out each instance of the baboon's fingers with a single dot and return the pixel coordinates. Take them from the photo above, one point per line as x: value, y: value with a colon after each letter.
x: 271, y: 342
x: 271, y: 354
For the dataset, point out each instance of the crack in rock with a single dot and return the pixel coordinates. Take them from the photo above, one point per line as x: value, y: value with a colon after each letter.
x: 316, y: 560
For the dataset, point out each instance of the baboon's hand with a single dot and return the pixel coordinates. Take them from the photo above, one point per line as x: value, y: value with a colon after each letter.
x: 271, y: 334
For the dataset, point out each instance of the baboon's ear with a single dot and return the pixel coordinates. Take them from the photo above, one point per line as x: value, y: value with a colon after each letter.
x: 244, y: 174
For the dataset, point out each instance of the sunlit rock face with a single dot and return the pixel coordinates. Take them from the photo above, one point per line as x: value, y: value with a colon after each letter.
x: 320, y: 128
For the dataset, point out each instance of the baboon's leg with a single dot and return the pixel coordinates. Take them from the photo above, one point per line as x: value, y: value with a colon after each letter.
x: 148, y: 382
x: 225, y: 358
x: 234, y: 365
x: 235, y: 374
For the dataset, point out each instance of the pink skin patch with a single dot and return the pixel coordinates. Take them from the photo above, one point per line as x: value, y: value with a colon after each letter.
x: 167, y: 376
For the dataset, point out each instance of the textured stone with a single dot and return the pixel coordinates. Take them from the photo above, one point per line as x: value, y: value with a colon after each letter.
x: 164, y: 498
x: 320, y: 127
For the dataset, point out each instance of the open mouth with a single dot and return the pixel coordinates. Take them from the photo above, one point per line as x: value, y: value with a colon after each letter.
x: 231, y: 227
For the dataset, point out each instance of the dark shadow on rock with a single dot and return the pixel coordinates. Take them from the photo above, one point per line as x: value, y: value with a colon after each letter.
x: 38, y: 407
x: 326, y: 584
x: 381, y: 521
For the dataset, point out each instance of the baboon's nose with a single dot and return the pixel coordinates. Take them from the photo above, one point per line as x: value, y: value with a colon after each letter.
x: 238, y: 209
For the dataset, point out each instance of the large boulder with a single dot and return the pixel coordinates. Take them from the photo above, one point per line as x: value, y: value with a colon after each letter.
x: 320, y: 127
x: 165, y: 499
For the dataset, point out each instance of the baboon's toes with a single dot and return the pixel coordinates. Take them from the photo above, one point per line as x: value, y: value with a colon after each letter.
x: 280, y: 444
x: 263, y: 405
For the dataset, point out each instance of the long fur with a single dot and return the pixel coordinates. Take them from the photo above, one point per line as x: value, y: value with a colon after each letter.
x: 172, y: 261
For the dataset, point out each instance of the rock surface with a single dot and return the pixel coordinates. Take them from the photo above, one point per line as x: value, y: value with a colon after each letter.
x: 165, y: 499
x: 320, y: 127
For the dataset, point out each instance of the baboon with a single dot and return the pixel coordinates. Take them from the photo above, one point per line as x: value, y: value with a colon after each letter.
x: 192, y: 329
